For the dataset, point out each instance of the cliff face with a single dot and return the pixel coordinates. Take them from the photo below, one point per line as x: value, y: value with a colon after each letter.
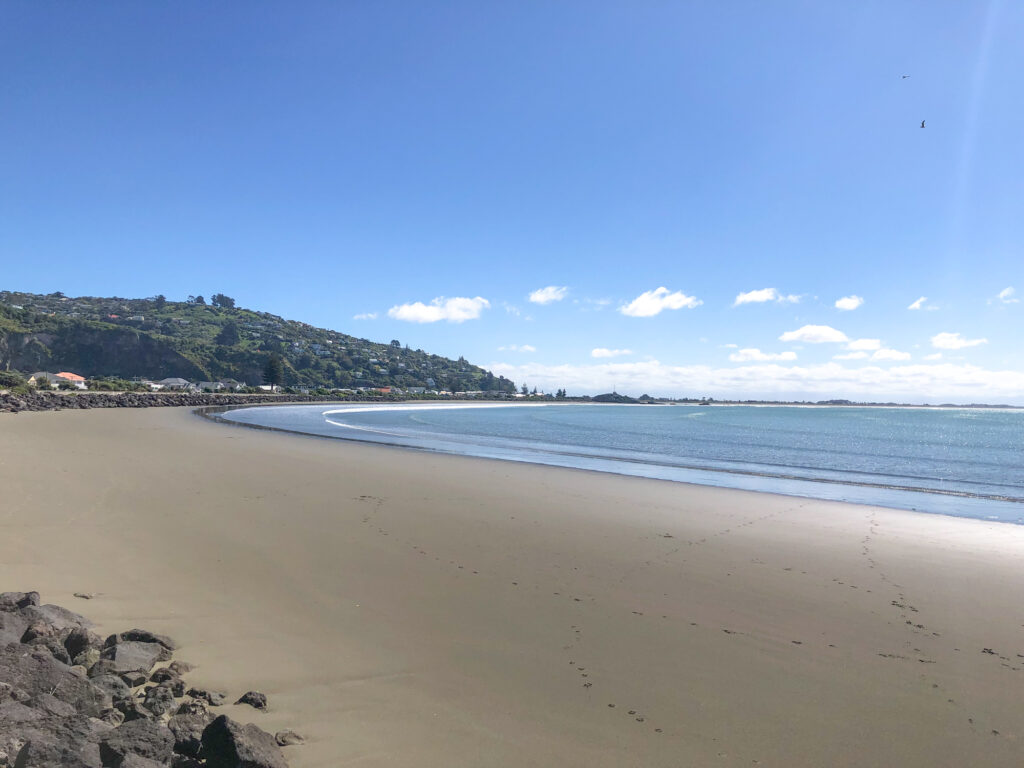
x: 95, y: 352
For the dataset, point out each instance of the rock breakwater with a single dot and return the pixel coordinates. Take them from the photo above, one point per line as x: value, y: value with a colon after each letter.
x: 55, y: 402
x: 72, y: 699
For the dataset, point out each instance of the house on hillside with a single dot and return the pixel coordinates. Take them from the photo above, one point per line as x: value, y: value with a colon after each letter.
x: 71, y: 378
x: 173, y: 383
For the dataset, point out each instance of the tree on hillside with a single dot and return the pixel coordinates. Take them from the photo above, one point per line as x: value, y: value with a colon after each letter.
x: 200, y: 300
x: 228, y: 335
x: 396, y: 343
x: 220, y: 300
x: 524, y: 390
x: 273, y: 371
x: 159, y: 301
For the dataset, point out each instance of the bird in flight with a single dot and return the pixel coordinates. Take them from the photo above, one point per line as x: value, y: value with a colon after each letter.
x: 904, y: 77
x: 922, y: 123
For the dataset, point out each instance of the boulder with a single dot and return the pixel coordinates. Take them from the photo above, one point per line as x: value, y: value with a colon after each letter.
x: 180, y: 667
x: 12, y: 628
x: 12, y: 601
x: 79, y: 640
x: 61, y: 742
x: 144, y: 738
x: 254, y: 699
x: 36, y: 672
x: 133, y: 679
x: 213, y: 698
x: 60, y: 618
x: 142, y: 636
x: 134, y: 656
x: 87, y: 657
x: 135, y: 761
x: 114, y: 686
x: 188, y: 732
x: 159, y: 700
x: 227, y: 744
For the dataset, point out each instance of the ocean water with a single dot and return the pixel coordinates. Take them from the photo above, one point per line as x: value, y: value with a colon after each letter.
x: 954, y: 461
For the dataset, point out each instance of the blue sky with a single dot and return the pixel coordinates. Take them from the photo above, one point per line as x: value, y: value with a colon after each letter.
x: 334, y: 161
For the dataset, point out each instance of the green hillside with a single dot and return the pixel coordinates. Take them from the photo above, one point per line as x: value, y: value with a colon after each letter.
x: 199, y: 340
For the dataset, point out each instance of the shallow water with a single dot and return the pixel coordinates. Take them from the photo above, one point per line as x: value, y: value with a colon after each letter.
x: 965, y: 462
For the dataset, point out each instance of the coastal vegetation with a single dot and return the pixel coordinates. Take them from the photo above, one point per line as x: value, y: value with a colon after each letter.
x: 209, y: 341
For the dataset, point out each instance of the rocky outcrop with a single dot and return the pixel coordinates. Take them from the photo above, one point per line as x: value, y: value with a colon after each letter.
x: 55, y: 401
x: 113, y: 707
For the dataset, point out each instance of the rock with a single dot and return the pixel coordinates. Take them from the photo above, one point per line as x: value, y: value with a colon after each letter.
x: 113, y: 685
x: 188, y: 732
x: 159, y: 700
x: 78, y: 671
x: 163, y: 675
x: 61, y: 742
x: 133, y: 679
x: 53, y: 646
x: 112, y: 716
x: 60, y: 618
x: 180, y: 761
x: 133, y: 656
x: 87, y: 658
x: 195, y: 707
x: 181, y: 667
x: 37, y: 672
x: 227, y: 744
x: 12, y: 628
x: 85, y: 595
x: 79, y: 640
x: 132, y: 710
x: 213, y: 698
x: 102, y: 667
x: 253, y: 699
x: 144, y: 738
x: 38, y: 630
x: 134, y: 761
x: 288, y: 738
x: 142, y: 636
x: 12, y: 601
x: 51, y: 705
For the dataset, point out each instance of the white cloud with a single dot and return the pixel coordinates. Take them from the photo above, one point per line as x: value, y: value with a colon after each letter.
x: 848, y: 303
x: 365, y: 316
x: 943, y: 382
x: 935, y: 356
x: 731, y: 346
x: 954, y: 341
x: 851, y: 356
x: 454, y: 310
x: 549, y: 294
x: 750, y: 354
x: 602, y: 352
x: 919, y: 303
x: 517, y: 348
x: 1006, y: 295
x: 511, y: 309
x: 862, y: 344
x: 651, y: 303
x: 762, y: 295
x: 814, y: 334
x: 890, y: 354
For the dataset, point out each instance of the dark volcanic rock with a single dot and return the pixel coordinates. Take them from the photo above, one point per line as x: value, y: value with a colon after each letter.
x: 61, y: 742
x: 12, y: 628
x: 12, y: 601
x: 113, y: 685
x: 253, y: 699
x: 180, y: 667
x: 144, y: 738
x: 188, y: 732
x: 143, y: 636
x: 36, y: 672
x: 133, y: 679
x: 159, y: 700
x: 79, y: 640
x: 288, y: 738
x: 135, y: 761
x: 59, y: 618
x: 227, y: 744
x: 133, y: 656
x: 213, y: 698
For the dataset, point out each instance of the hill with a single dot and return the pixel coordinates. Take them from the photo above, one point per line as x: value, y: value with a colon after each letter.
x: 196, y: 340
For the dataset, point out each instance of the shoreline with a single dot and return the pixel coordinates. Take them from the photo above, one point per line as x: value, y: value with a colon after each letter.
x: 214, y: 413
x: 419, y: 609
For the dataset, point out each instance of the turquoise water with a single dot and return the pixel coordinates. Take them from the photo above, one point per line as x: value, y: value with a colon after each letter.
x: 965, y: 462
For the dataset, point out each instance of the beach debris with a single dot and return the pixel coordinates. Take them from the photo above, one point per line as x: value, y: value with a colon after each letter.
x: 288, y: 738
x: 85, y: 595
x: 253, y: 699
x: 69, y: 698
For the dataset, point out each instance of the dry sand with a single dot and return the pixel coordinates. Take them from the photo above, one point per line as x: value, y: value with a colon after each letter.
x: 407, y: 609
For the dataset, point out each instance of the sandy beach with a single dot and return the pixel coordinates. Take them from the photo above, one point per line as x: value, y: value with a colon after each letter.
x: 402, y: 608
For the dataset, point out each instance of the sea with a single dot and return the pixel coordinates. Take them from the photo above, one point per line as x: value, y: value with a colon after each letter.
x: 967, y: 462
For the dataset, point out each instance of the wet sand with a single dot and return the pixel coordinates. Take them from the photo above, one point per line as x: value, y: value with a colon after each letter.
x: 402, y: 608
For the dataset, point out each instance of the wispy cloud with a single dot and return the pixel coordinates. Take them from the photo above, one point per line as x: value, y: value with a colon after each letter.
x: 890, y: 354
x: 511, y: 309
x: 651, y: 303
x: 848, y: 303
x: 862, y: 344
x: 919, y: 303
x: 549, y: 294
x: 518, y: 348
x: 455, y: 310
x: 815, y: 334
x: 955, y: 341
x: 764, y: 294
x: 365, y: 316
x: 751, y: 354
x: 602, y: 352
x: 1006, y: 296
